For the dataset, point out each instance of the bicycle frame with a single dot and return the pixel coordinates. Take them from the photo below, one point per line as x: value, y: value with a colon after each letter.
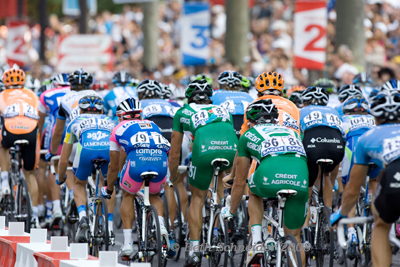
x: 94, y: 187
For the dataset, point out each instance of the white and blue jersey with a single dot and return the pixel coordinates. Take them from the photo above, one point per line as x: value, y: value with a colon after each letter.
x: 115, y: 97
x: 234, y: 101
x: 93, y: 135
x: 314, y: 116
x: 339, y: 109
x: 380, y: 145
x: 157, y: 107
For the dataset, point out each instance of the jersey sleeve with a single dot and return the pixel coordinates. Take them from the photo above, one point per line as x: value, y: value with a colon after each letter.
x: 62, y: 113
x: 243, y: 151
x: 360, y: 155
x: 42, y: 105
x: 69, y: 135
x: 114, y: 145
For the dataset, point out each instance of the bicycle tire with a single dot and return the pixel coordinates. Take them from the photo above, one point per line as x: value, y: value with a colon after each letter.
x: 221, y: 238
x: 24, y: 205
x: 166, y: 212
x: 99, y: 239
x: 7, y: 204
x: 323, y: 242
x: 153, y: 238
x: 366, y: 257
x: 178, y: 225
x: 334, y: 249
x: 289, y: 244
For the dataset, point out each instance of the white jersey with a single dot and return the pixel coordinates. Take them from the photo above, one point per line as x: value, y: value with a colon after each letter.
x: 69, y: 107
x: 333, y: 101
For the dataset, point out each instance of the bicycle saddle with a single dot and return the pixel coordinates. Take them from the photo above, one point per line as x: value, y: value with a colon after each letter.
x: 324, y: 162
x: 151, y: 175
x: 285, y: 193
x: 220, y: 162
x: 99, y: 161
x: 21, y: 142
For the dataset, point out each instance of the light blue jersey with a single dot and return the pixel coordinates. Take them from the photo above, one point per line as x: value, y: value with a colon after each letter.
x: 380, y: 145
x: 314, y: 116
x: 356, y: 125
x: 115, y: 97
x: 157, y: 107
x: 234, y: 101
x: 339, y: 109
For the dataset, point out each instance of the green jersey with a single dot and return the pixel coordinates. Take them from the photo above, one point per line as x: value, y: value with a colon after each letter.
x: 269, y: 140
x: 192, y: 117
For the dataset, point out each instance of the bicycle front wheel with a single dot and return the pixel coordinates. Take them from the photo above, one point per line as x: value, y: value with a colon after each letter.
x: 24, y: 207
x: 99, y: 239
x: 290, y: 252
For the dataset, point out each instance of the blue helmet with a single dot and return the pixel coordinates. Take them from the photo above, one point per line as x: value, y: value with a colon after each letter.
x: 355, y: 104
x: 91, y: 103
x: 60, y: 79
x: 362, y: 78
x: 392, y: 84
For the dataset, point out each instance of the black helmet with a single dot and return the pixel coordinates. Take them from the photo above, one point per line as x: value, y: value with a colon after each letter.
x: 200, y: 89
x: 121, y: 78
x: 80, y: 77
x: 262, y: 111
x: 348, y: 90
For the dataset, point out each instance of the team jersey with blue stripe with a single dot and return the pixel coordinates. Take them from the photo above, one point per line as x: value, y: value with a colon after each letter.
x: 356, y: 125
x: 157, y: 107
x: 380, y: 145
x: 314, y: 116
x: 234, y: 101
x: 339, y: 109
x: 115, y: 97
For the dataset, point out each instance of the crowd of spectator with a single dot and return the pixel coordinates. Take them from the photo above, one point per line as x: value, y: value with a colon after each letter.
x: 270, y: 40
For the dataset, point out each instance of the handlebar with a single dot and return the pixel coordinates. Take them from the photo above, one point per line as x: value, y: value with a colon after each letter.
x: 340, y: 231
x: 183, y: 168
x: 53, y: 159
x: 43, y: 151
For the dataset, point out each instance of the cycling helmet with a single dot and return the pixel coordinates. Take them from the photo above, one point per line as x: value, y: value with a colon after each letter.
x: 199, y: 90
x: 60, y: 80
x: 327, y: 84
x: 2, y: 86
x: 149, y: 89
x: 121, y: 78
x: 315, y: 96
x: 294, y: 89
x: 296, y: 98
x: 392, y: 84
x: 91, y: 103
x: 38, y: 91
x: 262, y: 111
x: 80, y: 77
x: 134, y: 82
x: 202, y: 76
x: 129, y: 109
x: 373, y: 93
x: 167, y: 89
x: 385, y: 106
x: 100, y: 85
x: 31, y: 83
x: 14, y: 78
x: 232, y: 80
x: 362, y: 78
x: 348, y: 90
x: 269, y: 81
x: 355, y: 104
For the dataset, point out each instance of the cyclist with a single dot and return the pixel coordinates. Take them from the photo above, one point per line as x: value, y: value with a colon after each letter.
x: 271, y: 145
x: 31, y: 83
x: 380, y: 145
x: 356, y: 121
x: 202, y: 76
x: 233, y: 96
x: 101, y: 87
x: 345, y: 92
x: 19, y: 120
x: 143, y: 149
x: 294, y: 95
x: 364, y: 81
x: 123, y: 89
x: 330, y: 87
x: 92, y: 131
x: 198, y: 119
x: 48, y: 108
x: 392, y: 84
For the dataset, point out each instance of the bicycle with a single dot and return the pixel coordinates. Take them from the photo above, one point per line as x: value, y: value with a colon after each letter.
x: 214, y: 230
x: 17, y: 205
x: 151, y: 247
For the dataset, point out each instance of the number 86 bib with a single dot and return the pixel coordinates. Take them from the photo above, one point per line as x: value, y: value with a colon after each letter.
x: 282, y: 145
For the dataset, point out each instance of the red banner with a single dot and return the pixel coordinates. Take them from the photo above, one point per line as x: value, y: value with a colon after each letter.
x: 9, y: 8
x: 17, y: 49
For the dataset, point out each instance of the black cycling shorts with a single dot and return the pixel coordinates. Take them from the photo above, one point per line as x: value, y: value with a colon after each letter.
x: 29, y: 153
x: 388, y: 193
x: 322, y: 142
x: 165, y: 123
x: 237, y: 124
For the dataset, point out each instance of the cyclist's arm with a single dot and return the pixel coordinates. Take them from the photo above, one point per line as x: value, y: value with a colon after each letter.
x: 243, y: 166
x: 175, y: 154
x: 57, y: 135
x: 63, y: 163
x: 42, y: 117
x: 352, y: 192
x: 113, y: 168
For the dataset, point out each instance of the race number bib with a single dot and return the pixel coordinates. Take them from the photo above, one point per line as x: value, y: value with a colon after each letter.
x: 281, y: 145
x: 391, y: 149
x: 199, y: 118
x: 313, y: 117
x: 74, y: 113
x: 288, y: 121
x: 30, y: 111
x: 160, y: 141
x: 140, y: 139
x: 152, y: 110
x: 229, y: 105
x: 105, y: 124
x: 11, y: 111
x: 360, y: 122
x: 220, y: 112
x: 332, y: 119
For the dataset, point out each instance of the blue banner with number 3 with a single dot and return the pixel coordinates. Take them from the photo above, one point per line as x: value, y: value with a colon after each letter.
x: 195, y: 33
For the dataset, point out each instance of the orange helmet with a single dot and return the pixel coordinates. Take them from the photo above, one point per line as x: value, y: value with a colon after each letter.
x: 295, y: 88
x: 13, y: 77
x: 269, y: 80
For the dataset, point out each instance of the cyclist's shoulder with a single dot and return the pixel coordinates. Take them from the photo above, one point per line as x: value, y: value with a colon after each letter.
x: 186, y: 110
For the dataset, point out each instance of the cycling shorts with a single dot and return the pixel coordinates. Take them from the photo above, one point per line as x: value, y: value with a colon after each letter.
x: 322, y: 142
x: 72, y: 157
x: 144, y: 160
x: 237, y: 124
x: 388, y: 193
x: 348, y: 161
x: 212, y: 141
x: 165, y: 125
x: 289, y: 172
x: 30, y: 153
x: 82, y: 166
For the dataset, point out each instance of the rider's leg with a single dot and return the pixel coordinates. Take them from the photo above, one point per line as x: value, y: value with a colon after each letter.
x: 127, y: 216
x: 169, y: 193
x: 33, y: 190
x: 41, y: 179
x: 80, y: 197
x: 380, y: 249
x: 220, y: 187
x: 195, y: 219
x: 373, y: 184
x: 183, y: 194
x: 110, y: 208
x: 5, y: 167
x: 49, y: 198
x: 256, y: 211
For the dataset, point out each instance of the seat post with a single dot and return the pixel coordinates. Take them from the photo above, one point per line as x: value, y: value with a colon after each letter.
x: 147, y: 191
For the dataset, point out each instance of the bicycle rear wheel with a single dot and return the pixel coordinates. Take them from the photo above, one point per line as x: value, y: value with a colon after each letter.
x: 323, y: 237
x: 290, y: 252
x: 24, y: 207
x: 99, y: 239
x: 178, y: 225
x: 218, y: 237
x: 153, y: 240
